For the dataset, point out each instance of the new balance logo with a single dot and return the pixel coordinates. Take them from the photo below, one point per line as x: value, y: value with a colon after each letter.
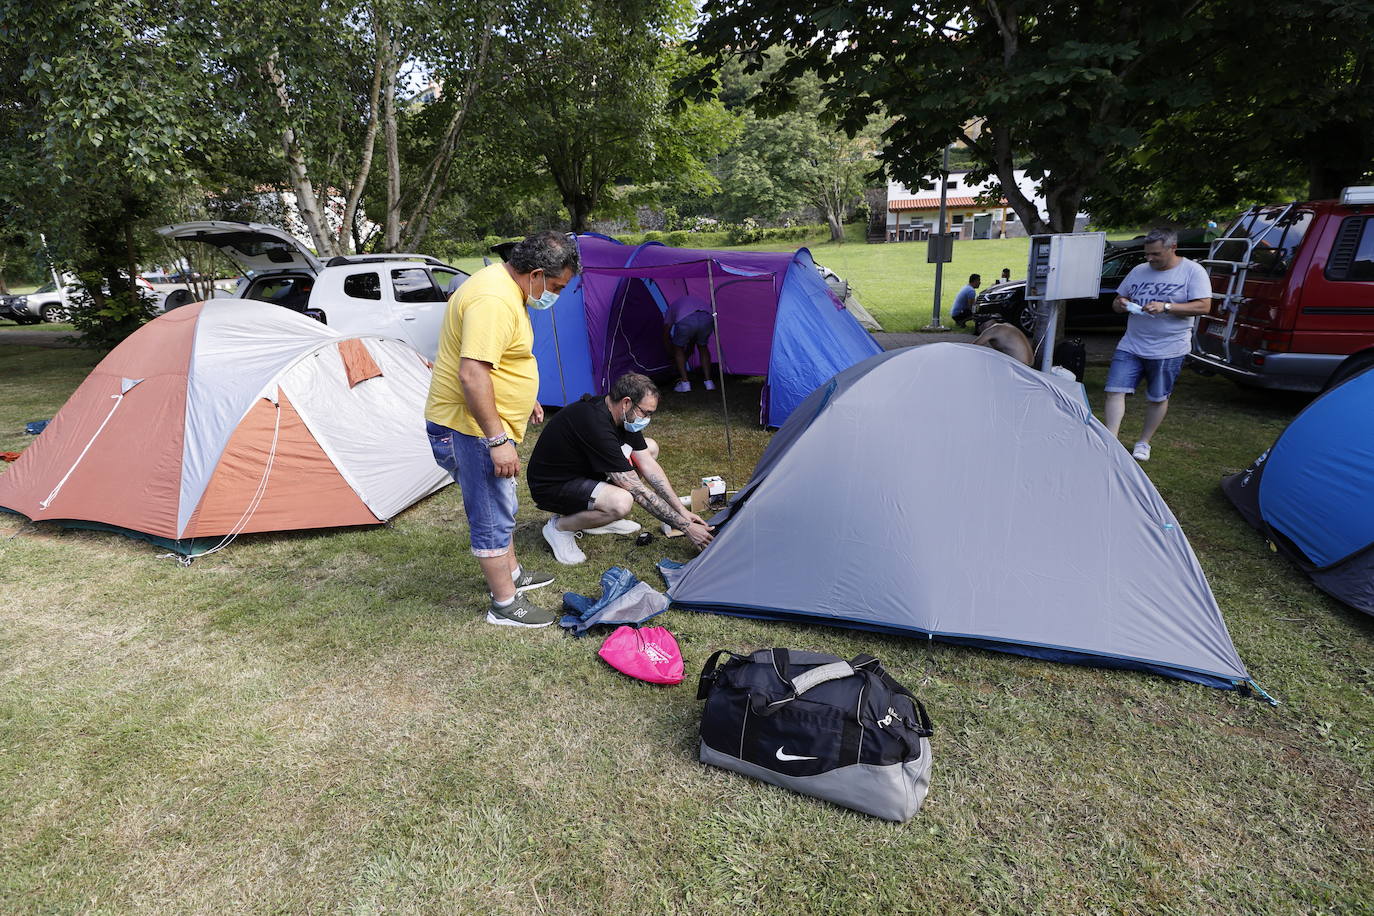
x: 781, y: 755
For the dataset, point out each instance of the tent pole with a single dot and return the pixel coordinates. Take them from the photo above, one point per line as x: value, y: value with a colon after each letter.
x: 558, y: 352
x: 720, y: 362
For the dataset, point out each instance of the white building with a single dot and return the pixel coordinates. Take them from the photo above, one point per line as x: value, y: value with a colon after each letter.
x: 913, y: 215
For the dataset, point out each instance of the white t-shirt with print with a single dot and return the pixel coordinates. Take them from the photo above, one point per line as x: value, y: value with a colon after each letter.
x: 1162, y: 336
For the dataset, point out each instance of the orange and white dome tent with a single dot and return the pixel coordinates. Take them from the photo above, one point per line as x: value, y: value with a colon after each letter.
x: 231, y: 416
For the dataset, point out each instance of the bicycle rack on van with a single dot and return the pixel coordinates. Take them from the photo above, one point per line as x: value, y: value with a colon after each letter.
x: 1236, y: 271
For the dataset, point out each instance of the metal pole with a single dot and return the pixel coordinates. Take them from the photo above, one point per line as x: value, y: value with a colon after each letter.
x: 1047, y: 342
x: 940, y: 263
x: 558, y: 351
x: 720, y: 362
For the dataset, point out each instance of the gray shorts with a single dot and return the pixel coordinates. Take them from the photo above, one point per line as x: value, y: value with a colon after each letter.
x: 692, y: 331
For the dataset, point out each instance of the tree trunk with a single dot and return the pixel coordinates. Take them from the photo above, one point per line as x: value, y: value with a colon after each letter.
x: 435, y: 181
x: 307, y: 203
x: 998, y: 154
x: 392, y: 239
x: 355, y: 193
x: 132, y: 260
x: 1337, y: 158
x: 579, y: 209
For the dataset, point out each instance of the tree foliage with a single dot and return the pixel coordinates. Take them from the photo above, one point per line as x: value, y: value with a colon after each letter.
x: 1296, y: 120
x: 97, y: 127
x: 589, y: 94
x: 1069, y: 89
x: 789, y: 156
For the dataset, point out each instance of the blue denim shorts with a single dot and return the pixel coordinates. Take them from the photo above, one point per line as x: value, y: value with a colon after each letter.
x: 1160, y: 375
x: 692, y: 331
x: 488, y: 500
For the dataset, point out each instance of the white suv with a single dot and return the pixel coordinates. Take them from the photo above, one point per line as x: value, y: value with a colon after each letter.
x: 52, y: 301
x: 395, y: 295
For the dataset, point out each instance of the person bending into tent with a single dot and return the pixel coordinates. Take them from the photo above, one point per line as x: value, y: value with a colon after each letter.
x: 592, y: 463
x: 482, y: 396
x: 689, y: 324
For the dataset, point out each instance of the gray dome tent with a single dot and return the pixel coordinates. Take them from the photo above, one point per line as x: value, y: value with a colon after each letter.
x: 1061, y: 549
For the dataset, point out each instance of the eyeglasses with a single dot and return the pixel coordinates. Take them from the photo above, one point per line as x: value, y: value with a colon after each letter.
x: 642, y: 412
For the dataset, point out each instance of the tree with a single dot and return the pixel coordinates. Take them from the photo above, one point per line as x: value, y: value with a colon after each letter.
x: 591, y: 96
x: 1067, y: 88
x: 98, y: 126
x: 783, y: 161
x: 1275, y: 129
x: 338, y: 94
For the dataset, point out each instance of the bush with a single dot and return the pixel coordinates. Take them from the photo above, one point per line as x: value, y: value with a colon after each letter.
x: 679, y: 239
x: 103, y: 326
x: 653, y: 235
x: 477, y: 248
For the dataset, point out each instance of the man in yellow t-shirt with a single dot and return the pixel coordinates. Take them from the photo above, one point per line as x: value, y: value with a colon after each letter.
x: 481, y: 398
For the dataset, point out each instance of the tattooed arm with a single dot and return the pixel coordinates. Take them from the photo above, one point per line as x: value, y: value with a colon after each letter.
x: 664, y: 507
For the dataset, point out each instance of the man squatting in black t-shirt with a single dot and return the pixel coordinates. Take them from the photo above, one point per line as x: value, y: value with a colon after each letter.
x: 592, y: 463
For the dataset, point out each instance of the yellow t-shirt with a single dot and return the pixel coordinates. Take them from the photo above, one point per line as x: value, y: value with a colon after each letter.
x: 486, y: 320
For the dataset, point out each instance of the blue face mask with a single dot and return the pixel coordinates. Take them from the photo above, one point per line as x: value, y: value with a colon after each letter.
x: 546, y: 299
x: 635, y: 426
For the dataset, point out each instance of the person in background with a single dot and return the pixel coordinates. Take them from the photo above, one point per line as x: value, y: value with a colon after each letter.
x: 481, y: 398
x: 689, y: 324
x: 1162, y: 297
x: 963, y: 302
x: 593, y: 462
x: 1006, y: 275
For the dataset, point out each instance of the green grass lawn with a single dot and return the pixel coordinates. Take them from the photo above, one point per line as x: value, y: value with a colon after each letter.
x: 321, y: 721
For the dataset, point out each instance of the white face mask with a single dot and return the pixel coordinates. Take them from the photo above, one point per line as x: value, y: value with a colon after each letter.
x: 633, y: 426
x: 546, y: 299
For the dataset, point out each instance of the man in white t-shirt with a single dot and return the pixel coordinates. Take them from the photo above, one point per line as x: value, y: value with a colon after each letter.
x: 1162, y: 297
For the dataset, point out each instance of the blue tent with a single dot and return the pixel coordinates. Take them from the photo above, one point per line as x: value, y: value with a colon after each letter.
x: 1312, y: 493
x: 774, y: 314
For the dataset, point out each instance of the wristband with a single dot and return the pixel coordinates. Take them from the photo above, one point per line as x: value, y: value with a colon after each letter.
x: 494, y: 441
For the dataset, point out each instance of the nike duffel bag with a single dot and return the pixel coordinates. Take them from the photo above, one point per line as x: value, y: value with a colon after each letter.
x: 843, y: 731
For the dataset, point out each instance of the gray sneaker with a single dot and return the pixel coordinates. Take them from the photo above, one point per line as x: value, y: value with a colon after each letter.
x: 520, y: 613
x: 530, y: 579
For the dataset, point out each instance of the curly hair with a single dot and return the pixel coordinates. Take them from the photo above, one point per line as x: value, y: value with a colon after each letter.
x: 549, y: 251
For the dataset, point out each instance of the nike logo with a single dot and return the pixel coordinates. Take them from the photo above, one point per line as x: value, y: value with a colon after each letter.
x: 784, y: 756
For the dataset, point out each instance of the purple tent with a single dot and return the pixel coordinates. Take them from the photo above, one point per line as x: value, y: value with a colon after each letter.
x: 774, y: 317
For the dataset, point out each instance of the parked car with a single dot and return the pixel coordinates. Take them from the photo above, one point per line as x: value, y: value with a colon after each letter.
x: 1293, y: 293
x: 1007, y: 301
x: 396, y: 295
x: 52, y: 301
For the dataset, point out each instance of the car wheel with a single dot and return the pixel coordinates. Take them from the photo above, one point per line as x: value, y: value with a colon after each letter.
x: 53, y: 313
x: 1025, y: 320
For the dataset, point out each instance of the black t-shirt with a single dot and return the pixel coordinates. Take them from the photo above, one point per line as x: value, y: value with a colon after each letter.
x: 581, y: 440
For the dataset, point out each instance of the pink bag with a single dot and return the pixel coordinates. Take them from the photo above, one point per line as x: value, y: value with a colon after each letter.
x: 647, y: 653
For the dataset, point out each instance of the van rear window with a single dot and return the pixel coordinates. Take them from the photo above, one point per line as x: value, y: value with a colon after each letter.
x: 1352, y: 255
x: 1270, y: 234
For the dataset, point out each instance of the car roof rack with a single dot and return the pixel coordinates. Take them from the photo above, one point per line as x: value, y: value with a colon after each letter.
x: 341, y: 259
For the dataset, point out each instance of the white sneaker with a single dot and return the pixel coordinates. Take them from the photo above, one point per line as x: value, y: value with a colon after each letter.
x: 1141, y: 452
x: 564, y: 543
x: 682, y: 386
x: 709, y: 385
x: 620, y: 526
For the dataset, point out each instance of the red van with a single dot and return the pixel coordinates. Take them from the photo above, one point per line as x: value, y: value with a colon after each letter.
x: 1293, y: 291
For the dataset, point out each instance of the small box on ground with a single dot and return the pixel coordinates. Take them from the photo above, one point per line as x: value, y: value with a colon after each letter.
x: 715, y: 492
